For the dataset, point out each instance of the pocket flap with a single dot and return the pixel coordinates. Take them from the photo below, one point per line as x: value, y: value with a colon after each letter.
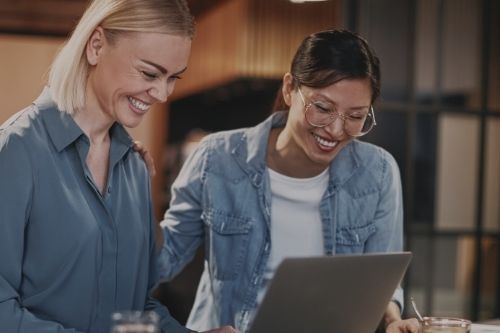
x: 355, y: 235
x: 225, y: 223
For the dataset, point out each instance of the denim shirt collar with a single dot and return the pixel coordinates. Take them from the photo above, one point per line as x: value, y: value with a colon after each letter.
x: 251, y: 152
x: 343, y: 167
x: 62, y: 128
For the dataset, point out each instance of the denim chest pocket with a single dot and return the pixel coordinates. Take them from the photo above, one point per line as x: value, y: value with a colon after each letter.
x: 353, y: 239
x: 227, y: 242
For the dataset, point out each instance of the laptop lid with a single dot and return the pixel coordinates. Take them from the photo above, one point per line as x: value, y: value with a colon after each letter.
x: 335, y: 294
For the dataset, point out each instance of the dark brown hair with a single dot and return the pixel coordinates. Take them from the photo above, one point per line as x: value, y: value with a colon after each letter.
x: 327, y: 57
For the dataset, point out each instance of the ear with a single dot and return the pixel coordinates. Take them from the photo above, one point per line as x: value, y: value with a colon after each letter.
x: 95, y: 46
x: 287, y: 88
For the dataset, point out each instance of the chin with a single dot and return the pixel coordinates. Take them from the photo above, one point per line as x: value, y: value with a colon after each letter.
x: 326, y: 158
x: 131, y: 121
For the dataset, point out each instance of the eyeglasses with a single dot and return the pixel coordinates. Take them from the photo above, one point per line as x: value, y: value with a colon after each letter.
x: 319, y: 114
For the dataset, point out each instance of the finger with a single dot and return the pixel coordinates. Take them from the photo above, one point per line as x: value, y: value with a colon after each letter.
x: 411, y: 326
x: 138, y: 147
x: 150, y: 164
x: 146, y: 156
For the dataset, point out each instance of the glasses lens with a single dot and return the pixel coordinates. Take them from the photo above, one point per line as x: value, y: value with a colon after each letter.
x: 319, y: 117
x: 359, y: 127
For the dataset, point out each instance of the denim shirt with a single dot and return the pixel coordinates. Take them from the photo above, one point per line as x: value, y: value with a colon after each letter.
x: 222, y: 197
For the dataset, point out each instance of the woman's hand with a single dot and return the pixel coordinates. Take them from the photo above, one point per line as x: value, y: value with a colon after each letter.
x: 403, y: 326
x: 146, y: 156
x: 394, y: 324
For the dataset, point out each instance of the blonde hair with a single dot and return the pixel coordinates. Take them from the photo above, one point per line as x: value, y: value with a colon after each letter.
x: 69, y: 71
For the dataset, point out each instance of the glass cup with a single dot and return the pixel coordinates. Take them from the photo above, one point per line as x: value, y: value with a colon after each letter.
x: 445, y: 325
x: 134, y: 322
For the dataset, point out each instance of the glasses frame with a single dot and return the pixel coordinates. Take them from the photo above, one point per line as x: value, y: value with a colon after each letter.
x: 334, y: 115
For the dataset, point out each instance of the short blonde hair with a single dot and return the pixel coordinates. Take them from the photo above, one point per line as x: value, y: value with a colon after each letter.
x: 69, y: 71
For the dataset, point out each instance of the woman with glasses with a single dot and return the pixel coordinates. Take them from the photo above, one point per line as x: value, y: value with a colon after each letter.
x: 298, y: 184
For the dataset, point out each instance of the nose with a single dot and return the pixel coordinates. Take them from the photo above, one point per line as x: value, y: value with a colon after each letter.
x: 336, y: 128
x: 160, y: 91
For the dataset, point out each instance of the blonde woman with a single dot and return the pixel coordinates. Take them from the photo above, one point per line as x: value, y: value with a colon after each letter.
x: 76, y: 227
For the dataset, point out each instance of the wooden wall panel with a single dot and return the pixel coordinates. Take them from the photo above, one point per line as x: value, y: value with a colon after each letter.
x: 251, y: 38
x: 40, y: 17
x: 24, y: 65
x: 276, y: 29
x: 215, y: 49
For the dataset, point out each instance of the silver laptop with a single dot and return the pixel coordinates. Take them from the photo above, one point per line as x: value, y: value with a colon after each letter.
x: 334, y: 294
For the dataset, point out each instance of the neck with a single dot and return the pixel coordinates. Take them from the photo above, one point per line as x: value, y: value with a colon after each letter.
x: 285, y: 157
x: 96, y: 130
x: 93, y: 121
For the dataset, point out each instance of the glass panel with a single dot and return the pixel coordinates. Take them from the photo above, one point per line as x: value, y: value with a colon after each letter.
x: 457, y: 169
x: 491, y: 206
x: 454, y: 270
x: 384, y: 23
x: 461, y: 53
x: 494, y: 89
x: 426, y: 43
x: 441, y: 274
x: 444, y: 68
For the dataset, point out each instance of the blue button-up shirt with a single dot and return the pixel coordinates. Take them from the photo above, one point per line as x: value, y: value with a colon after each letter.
x: 70, y: 255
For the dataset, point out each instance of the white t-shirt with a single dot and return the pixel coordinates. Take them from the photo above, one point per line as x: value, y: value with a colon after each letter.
x: 296, y: 229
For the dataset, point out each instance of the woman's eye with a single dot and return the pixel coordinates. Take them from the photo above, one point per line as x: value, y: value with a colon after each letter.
x: 321, y: 108
x: 149, y: 75
x: 175, y: 78
x: 356, y: 116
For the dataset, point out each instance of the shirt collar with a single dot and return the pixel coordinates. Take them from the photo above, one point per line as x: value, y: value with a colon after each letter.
x: 250, y: 153
x: 62, y: 128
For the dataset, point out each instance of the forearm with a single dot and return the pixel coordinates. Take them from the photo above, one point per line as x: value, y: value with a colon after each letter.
x: 14, y: 318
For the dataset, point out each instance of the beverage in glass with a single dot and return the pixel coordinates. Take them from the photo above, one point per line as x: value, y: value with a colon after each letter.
x: 134, y: 322
x: 445, y: 325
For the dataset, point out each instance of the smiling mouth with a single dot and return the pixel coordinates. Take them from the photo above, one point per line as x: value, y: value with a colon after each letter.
x: 325, y: 143
x: 139, y: 105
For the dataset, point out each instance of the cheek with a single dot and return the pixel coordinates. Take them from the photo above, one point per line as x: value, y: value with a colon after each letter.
x: 296, y: 115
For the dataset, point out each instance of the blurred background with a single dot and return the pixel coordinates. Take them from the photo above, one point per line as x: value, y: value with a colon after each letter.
x: 439, y: 115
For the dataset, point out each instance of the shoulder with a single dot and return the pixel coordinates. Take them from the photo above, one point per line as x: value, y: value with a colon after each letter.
x: 19, y: 146
x: 222, y: 153
x: 224, y: 141
x: 372, y: 156
x: 375, y: 164
x: 20, y: 130
x: 20, y: 122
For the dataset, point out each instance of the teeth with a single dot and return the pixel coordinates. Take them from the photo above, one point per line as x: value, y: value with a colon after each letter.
x: 324, y: 142
x: 138, y: 104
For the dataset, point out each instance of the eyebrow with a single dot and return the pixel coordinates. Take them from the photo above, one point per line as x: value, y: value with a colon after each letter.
x: 326, y: 99
x: 360, y: 108
x: 162, y: 69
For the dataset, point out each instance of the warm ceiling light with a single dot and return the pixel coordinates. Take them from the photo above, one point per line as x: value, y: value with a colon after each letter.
x: 302, y: 1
